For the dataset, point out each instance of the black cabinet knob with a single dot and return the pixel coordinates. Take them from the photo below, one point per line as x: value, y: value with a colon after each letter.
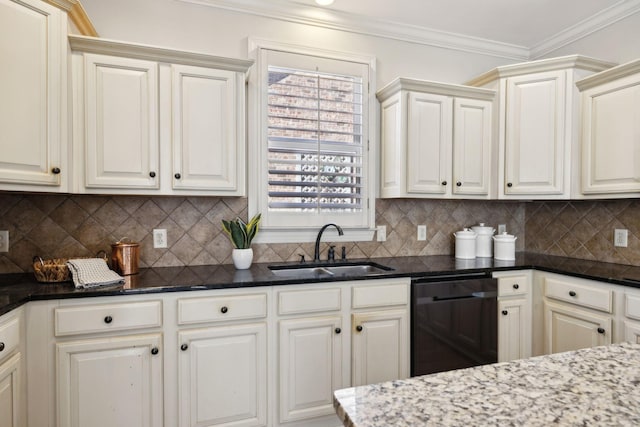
x: 155, y: 351
x: 108, y: 319
x: 572, y: 293
x: 359, y: 328
x: 338, y: 330
x: 184, y: 347
x: 509, y: 184
x: 55, y: 171
x: 1, y: 346
x: 177, y: 176
x: 224, y: 310
x: 601, y: 330
x: 444, y: 182
x: 505, y: 312
x: 516, y: 286
x: 458, y: 184
x: 152, y: 174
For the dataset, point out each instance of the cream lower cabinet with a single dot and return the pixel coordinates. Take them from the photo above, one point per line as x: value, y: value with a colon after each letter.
x: 578, y: 313
x: 111, y: 381
x: 514, y: 315
x: 436, y: 140
x: 157, y: 121
x: 631, y: 317
x: 222, y: 360
x: 610, y: 132
x: 12, y: 384
x: 33, y: 116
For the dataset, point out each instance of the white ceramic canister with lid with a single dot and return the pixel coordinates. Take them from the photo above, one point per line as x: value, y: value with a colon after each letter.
x: 504, y: 246
x: 465, y: 244
x: 484, y: 243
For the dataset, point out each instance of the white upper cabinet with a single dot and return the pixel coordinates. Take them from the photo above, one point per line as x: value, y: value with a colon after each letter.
x: 33, y: 98
x: 157, y: 121
x: 436, y: 140
x: 611, y: 132
x: 536, y: 119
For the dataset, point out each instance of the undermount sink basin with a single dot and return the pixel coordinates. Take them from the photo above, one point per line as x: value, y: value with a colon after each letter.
x: 329, y: 270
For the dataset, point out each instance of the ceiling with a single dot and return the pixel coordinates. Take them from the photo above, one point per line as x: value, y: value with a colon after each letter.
x: 525, y: 23
x: 517, y: 29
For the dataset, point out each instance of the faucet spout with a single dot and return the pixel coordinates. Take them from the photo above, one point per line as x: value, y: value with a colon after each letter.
x: 316, y: 254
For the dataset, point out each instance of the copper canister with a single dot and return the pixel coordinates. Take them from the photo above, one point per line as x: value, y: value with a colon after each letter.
x: 125, y: 257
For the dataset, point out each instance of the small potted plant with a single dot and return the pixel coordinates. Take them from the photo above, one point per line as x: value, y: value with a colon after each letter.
x: 241, y: 234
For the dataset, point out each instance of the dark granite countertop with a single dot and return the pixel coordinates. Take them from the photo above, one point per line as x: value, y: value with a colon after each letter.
x: 17, y: 289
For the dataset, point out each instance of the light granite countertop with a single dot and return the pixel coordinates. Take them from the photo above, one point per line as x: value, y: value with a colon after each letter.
x: 591, y: 387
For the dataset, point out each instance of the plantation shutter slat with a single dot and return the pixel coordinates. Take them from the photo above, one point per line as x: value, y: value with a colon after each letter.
x: 315, y: 141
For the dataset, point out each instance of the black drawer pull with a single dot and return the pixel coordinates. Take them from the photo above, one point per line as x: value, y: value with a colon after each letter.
x: 505, y: 312
x: 444, y: 182
x: 155, y: 351
x: 152, y: 174
x: 177, y: 176
x: 184, y: 347
x: 108, y: 319
x: 224, y: 310
x: 516, y: 286
x: 1, y: 346
x: 55, y: 171
x: 572, y: 293
x: 458, y: 184
x: 359, y: 328
x: 338, y: 330
x: 601, y: 330
x: 509, y: 184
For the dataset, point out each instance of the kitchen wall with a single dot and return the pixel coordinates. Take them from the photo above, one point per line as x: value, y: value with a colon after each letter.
x: 81, y: 225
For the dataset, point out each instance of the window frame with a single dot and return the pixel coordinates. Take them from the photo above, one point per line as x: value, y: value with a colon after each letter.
x: 297, y: 228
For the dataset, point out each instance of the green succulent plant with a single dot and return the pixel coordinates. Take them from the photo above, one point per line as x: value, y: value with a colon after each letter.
x: 241, y: 233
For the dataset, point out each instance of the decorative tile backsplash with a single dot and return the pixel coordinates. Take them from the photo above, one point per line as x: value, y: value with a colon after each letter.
x: 81, y: 225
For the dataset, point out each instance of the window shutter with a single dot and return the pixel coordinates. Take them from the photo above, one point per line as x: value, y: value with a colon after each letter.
x: 315, y: 141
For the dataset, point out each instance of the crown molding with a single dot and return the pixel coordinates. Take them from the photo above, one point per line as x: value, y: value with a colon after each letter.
x: 342, y: 21
x: 77, y: 14
x: 615, y: 73
x: 447, y: 89
x: 600, y: 20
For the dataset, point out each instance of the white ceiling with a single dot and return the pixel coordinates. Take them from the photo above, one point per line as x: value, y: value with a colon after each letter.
x: 525, y: 23
x: 516, y: 29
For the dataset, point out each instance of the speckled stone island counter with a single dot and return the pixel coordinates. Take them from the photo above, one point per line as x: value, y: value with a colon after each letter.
x: 592, y: 387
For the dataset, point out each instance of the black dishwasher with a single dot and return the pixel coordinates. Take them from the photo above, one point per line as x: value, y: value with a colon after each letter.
x: 454, y: 322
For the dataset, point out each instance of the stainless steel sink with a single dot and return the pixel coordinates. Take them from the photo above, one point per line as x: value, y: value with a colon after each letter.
x: 329, y: 270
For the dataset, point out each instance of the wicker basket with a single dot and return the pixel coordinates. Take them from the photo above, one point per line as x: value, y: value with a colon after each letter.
x: 55, y: 270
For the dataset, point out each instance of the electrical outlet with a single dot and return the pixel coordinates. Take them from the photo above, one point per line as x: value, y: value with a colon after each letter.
x: 620, y: 237
x: 502, y: 228
x: 159, y: 238
x: 382, y: 233
x: 4, y: 240
x: 422, y: 232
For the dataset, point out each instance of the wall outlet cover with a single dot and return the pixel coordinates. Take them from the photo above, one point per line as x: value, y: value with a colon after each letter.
x: 620, y: 237
x: 159, y: 238
x: 4, y: 240
x: 381, y: 233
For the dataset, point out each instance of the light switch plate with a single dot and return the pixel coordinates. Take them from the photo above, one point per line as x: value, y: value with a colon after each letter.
x: 4, y: 240
x: 159, y: 238
x: 422, y: 232
x: 620, y: 237
x: 502, y: 228
x: 381, y: 233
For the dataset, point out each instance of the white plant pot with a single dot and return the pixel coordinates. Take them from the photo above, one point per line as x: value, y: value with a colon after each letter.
x: 242, y: 258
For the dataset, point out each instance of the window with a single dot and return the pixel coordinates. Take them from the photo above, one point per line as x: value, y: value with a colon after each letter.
x: 310, y: 144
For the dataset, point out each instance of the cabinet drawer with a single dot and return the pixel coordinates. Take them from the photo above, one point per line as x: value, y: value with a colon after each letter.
x: 383, y: 294
x: 586, y: 296
x: 221, y: 308
x: 93, y: 318
x: 309, y: 300
x: 9, y: 337
x: 632, y: 306
x: 515, y: 285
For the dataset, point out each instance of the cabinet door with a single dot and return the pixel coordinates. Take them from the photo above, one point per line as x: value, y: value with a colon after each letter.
x: 222, y: 376
x: 611, y: 137
x: 471, y: 146
x: 121, y: 122
x: 535, y: 134
x: 311, y: 352
x: 108, y: 382
x: 568, y: 328
x: 632, y: 331
x: 513, y: 330
x: 11, y: 414
x: 429, y: 138
x: 380, y: 346
x: 33, y: 92
x: 205, y: 140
